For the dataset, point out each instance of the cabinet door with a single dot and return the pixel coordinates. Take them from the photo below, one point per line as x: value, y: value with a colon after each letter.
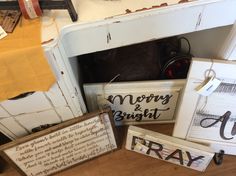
x: 130, y: 29
x: 165, y: 23
x: 218, y: 14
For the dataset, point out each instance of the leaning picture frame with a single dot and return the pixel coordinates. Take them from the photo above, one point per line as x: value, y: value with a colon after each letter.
x: 63, y: 146
x: 207, y: 109
x: 137, y: 102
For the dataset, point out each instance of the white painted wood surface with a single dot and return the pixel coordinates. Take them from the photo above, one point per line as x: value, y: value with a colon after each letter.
x: 3, y: 113
x: 170, y: 149
x: 217, y: 14
x: 146, y: 24
x: 65, y: 79
x: 55, y: 96
x: 34, y: 102
x: 32, y: 120
x: 213, y: 41
x: 159, y: 103
x: 91, y: 37
x: 228, y: 50
x: 97, y: 10
x: 13, y: 128
x: 37, y: 101
x: 65, y: 113
x: 188, y: 126
x: 22, y: 124
x: 97, y: 18
x: 7, y: 132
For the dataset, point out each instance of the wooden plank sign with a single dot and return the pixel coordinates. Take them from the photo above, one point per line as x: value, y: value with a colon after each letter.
x: 136, y: 102
x: 170, y: 149
x: 62, y: 146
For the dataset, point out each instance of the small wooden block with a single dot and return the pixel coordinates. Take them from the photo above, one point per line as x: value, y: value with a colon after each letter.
x: 170, y: 149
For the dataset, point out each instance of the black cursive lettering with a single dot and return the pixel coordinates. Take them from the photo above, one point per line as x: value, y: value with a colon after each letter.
x: 164, y: 99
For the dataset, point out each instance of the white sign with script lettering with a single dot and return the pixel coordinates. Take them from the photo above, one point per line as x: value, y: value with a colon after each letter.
x: 136, y: 102
x: 209, y: 118
x: 64, y: 147
x: 170, y: 149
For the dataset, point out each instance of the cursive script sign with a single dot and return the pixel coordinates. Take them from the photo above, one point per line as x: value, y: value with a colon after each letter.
x: 136, y: 102
x: 166, y: 148
x: 74, y: 143
x: 141, y: 107
x: 209, y: 118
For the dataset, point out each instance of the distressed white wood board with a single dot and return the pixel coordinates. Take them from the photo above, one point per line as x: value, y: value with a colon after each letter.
x: 6, y: 131
x: 194, y: 110
x: 57, y: 148
x: 97, y: 10
x: 12, y: 128
x: 38, y: 101
x: 228, y: 49
x: 3, y: 112
x: 65, y: 79
x: 90, y: 34
x: 167, y: 148
x: 22, y: 124
x: 136, y: 102
x: 34, y: 102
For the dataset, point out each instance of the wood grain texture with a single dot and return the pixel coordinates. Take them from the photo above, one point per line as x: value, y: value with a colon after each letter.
x: 126, y: 163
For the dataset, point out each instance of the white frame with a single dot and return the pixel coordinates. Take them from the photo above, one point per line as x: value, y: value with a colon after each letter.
x: 190, y: 98
x: 92, y: 90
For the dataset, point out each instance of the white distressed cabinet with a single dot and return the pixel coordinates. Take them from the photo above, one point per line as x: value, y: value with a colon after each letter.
x: 104, y: 25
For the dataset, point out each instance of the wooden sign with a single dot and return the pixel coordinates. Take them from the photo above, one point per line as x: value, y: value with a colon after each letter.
x: 207, y: 113
x: 62, y: 146
x: 136, y: 102
x: 170, y: 149
x: 9, y: 19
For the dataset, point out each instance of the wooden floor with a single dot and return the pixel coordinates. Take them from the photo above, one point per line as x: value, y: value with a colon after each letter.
x: 126, y: 163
